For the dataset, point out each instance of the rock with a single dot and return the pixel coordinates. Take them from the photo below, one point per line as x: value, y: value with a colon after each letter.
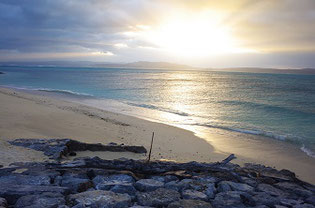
x: 262, y: 198
x: 76, y: 184
x: 117, y: 187
x: 298, y: 190
x: 310, y: 200
x: 193, y: 194
x: 279, y: 206
x: 239, y: 186
x: 165, y: 179
x: 187, y: 203
x: 117, y: 183
x: 3, y: 202
x: 100, y: 198
x: 19, y: 179
x: 13, y: 192
x: 224, y: 186
x: 249, y: 181
x: 303, y: 206
x: 289, y: 202
x: 206, y: 179
x: 179, y: 186
x: 124, y: 188
x: 117, y: 177
x: 270, y: 190
x: 148, y: 185
x: 44, y: 200
x: 210, y: 191
x: 230, y: 199
x: 158, y: 198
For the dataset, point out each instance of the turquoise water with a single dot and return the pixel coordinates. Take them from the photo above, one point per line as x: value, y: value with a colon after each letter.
x: 278, y: 106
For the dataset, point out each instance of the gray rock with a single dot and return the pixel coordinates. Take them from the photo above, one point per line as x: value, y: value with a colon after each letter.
x: 287, y: 186
x: 270, y: 190
x: 224, y: 186
x: 210, y: 191
x: 12, y: 192
x: 229, y: 199
x: 289, y: 202
x: 119, y: 177
x: 3, y: 202
x: 262, y: 198
x: 239, y: 186
x: 148, y: 185
x: 310, y: 200
x: 159, y: 197
x: 206, y: 179
x: 249, y: 181
x: 124, y: 188
x: 45, y: 200
x: 173, y: 185
x: 193, y: 194
x: 117, y: 187
x: 303, y: 206
x: 19, y: 179
x: 186, y: 203
x: 100, y: 198
x: 138, y: 206
x: 279, y: 206
x: 76, y: 184
x: 165, y: 179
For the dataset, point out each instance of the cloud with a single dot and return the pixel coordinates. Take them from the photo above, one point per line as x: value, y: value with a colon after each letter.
x: 78, y: 27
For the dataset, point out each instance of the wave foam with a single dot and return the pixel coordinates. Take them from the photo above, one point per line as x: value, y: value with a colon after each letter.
x: 308, y: 151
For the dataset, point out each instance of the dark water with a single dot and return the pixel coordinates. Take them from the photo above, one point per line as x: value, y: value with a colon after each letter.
x: 279, y: 106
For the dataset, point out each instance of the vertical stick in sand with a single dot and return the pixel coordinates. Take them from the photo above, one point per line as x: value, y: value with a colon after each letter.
x: 151, y: 147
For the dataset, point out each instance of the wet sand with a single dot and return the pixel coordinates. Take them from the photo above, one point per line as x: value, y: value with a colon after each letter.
x: 24, y: 115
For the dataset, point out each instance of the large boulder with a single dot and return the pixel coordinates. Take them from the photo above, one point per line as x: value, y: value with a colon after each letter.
x: 3, y: 202
x: 231, y: 199
x: 193, y: 194
x: 270, y: 190
x: 120, y: 183
x: 148, y: 185
x: 44, y: 200
x: 158, y: 198
x: 296, y: 189
x: 224, y: 186
x: 210, y: 190
x: 263, y: 198
x: 100, y: 198
x: 186, y: 203
x: 76, y: 184
x: 239, y: 186
x: 19, y: 179
x: 13, y: 192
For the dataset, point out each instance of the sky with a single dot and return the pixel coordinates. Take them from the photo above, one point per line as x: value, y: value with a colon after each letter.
x: 203, y: 33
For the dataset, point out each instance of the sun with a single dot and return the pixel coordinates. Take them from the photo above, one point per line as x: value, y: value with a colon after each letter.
x: 193, y: 36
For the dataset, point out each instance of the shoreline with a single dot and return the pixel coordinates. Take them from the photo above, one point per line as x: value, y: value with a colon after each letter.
x: 92, y: 125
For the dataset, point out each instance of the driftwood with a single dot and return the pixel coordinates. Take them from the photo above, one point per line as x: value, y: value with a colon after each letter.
x: 142, y: 167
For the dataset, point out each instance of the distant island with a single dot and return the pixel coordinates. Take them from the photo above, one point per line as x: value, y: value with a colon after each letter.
x: 157, y: 65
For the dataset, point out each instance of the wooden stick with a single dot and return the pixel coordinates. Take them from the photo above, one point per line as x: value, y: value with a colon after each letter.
x: 151, y: 147
x: 228, y: 159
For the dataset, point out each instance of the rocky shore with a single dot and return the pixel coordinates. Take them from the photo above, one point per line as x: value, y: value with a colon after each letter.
x: 93, y: 182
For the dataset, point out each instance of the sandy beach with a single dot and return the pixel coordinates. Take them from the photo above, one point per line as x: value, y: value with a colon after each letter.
x: 24, y: 115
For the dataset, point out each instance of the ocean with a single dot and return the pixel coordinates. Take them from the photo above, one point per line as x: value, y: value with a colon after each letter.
x: 276, y: 106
